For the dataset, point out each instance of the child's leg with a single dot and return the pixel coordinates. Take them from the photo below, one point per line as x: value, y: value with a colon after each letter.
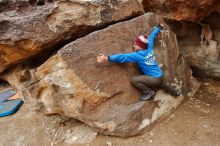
x: 146, y: 83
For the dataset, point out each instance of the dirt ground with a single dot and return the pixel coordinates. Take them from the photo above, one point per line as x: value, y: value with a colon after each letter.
x: 195, y: 123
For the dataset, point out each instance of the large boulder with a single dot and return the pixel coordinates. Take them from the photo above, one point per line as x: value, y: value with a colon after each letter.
x: 194, y: 10
x: 73, y: 84
x: 200, y: 45
x: 27, y: 29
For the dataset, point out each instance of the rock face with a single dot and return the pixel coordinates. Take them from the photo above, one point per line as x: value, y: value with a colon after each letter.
x: 194, y: 10
x: 199, y: 41
x: 71, y: 82
x: 27, y: 29
x: 200, y: 45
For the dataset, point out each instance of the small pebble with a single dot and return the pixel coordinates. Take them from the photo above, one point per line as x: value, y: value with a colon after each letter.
x: 172, y: 116
x: 109, y: 143
x: 206, y: 84
x: 68, y: 131
x: 74, y: 138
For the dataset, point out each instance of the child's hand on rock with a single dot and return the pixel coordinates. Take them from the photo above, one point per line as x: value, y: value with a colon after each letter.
x: 102, y: 58
x: 161, y: 26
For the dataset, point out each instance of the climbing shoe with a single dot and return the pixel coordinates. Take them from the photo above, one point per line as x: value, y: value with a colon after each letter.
x: 172, y: 91
x: 147, y: 95
x: 175, y: 92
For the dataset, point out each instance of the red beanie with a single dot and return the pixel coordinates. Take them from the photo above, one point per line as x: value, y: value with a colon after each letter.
x: 142, y: 41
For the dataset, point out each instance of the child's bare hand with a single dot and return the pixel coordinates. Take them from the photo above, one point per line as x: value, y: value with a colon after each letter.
x: 161, y: 26
x: 102, y: 58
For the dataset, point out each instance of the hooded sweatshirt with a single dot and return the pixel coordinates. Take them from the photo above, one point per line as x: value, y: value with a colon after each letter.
x: 145, y: 59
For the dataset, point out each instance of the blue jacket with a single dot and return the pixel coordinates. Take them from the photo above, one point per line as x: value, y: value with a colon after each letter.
x: 145, y: 59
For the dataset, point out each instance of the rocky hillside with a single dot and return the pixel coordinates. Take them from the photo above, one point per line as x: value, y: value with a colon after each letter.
x: 48, y: 53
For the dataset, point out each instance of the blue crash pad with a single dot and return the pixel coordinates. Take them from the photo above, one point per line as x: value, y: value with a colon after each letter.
x: 4, y: 95
x: 9, y: 107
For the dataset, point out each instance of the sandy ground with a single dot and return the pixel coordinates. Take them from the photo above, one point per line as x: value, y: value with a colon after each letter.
x: 195, y: 123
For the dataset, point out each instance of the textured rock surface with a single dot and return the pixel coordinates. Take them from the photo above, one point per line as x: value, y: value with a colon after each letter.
x: 200, y: 44
x: 71, y: 83
x: 194, y: 10
x: 26, y: 29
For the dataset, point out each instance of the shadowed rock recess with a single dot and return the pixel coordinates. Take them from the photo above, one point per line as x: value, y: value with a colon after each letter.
x: 71, y: 83
x: 28, y: 28
x: 200, y: 45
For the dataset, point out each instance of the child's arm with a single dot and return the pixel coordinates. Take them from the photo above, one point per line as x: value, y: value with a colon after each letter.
x: 122, y: 58
x: 152, y: 37
x: 118, y: 58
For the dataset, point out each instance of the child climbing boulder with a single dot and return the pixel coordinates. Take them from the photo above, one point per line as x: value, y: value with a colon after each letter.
x: 144, y: 57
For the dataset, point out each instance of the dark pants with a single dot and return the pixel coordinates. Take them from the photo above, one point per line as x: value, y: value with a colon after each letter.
x: 145, y: 83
